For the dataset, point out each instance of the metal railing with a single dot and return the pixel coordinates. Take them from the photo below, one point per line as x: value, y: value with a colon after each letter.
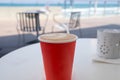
x: 99, y: 8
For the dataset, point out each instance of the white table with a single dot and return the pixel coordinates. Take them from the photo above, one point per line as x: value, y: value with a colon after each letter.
x: 26, y: 64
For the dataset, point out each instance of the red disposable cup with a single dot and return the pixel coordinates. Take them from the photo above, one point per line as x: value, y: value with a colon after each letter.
x: 58, y: 59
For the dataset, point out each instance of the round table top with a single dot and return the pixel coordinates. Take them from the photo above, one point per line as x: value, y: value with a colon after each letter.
x: 26, y: 64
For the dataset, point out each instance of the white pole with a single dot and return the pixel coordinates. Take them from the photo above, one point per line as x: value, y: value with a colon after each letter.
x: 71, y: 3
x: 118, y: 7
x: 95, y: 6
x: 90, y: 2
x: 105, y: 2
x: 65, y: 4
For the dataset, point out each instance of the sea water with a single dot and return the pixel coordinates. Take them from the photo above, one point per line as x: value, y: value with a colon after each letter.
x: 87, y: 9
x: 80, y: 5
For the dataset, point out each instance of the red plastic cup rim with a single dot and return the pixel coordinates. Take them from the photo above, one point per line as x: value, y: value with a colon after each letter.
x: 65, y: 41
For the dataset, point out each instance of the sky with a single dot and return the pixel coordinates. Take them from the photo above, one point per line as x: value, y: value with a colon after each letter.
x: 48, y: 1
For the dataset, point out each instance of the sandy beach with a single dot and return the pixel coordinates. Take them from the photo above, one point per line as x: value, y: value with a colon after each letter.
x: 8, y: 20
x: 8, y: 23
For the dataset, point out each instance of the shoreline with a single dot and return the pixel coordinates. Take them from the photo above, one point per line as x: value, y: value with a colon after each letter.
x: 11, y: 11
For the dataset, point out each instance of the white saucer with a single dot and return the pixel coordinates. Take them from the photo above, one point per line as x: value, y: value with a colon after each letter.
x: 98, y: 59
